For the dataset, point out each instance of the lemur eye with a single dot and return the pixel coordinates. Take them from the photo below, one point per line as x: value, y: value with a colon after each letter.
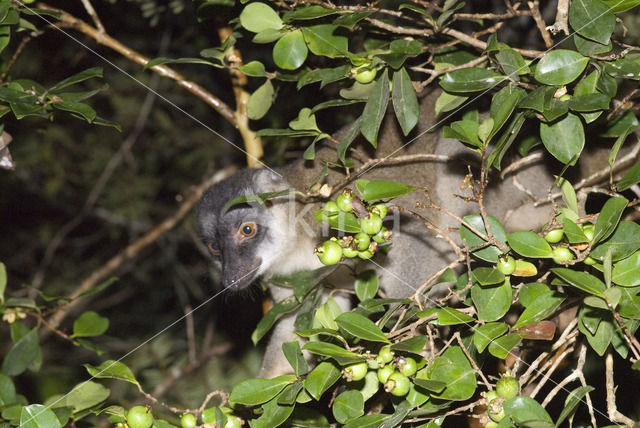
x: 213, y: 247
x: 248, y: 229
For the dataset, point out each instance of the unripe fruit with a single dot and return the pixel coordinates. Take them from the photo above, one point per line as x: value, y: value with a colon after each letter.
x: 344, y: 201
x: 507, y: 387
x: 385, y: 355
x: 365, y: 255
x: 188, y: 420
x: 355, y: 372
x: 384, y: 373
x: 139, y: 417
x: 491, y: 424
x: 506, y: 265
x: 330, y: 253
x: 407, y: 366
x: 489, y: 396
x: 349, y: 252
x: 495, y: 410
x: 562, y: 255
x: 233, y: 422
x: 588, y: 229
x: 120, y: 425
x: 590, y: 261
x: 397, y: 384
x: 364, y: 74
x: 380, y: 209
x: 383, y: 236
x: 362, y: 241
x: 565, y: 97
x: 554, y: 236
x: 371, y: 224
x: 331, y: 208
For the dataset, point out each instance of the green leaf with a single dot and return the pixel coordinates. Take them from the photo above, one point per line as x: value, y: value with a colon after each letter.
x: 349, y: 136
x: 3, y: 281
x: 321, y: 378
x: 38, y: 416
x: 620, y: 5
x: 321, y: 40
x: 447, y: 102
x: 484, y: 334
x: 450, y: 316
x: 90, y: 324
x: 309, y: 12
x: 559, y: 67
x: 401, y: 50
x: 290, y: 52
x: 453, y: 368
x: 346, y: 222
x: 539, y: 309
x: 382, y: 189
x: 568, y: 194
x: 624, y: 242
x: 589, y: 102
x: 597, y: 327
x: 405, y: 101
x: 341, y: 355
x: 7, y: 391
x: 257, y: 17
x: 112, y: 369
x: 488, y: 276
x: 279, y: 309
x: 629, y: 305
x: 80, y: 109
x: 293, y: 354
x: 368, y: 421
x: 84, y: 396
x: 627, y: 272
x: 572, y: 402
x: 592, y: 19
x: 573, y: 232
x: 490, y: 253
x: 502, y: 105
x: 535, y: 100
x: 347, y: 406
x: 529, y: 244
x: 375, y: 109
x: 162, y: 60
x: 77, y: 78
x: 581, y: 280
x: 361, y: 327
x: 624, y: 68
x: 414, y: 344
x: 471, y: 79
x: 492, y: 302
x: 260, y: 101
x: 306, y: 121
x: 257, y: 391
x: 609, y: 218
x: 366, y: 285
x: 512, y: 63
x: 465, y: 131
x: 523, y: 409
x: 630, y: 178
x: 564, y: 139
x: 25, y: 351
x: 253, y: 68
x: 501, y: 347
x: 589, y: 47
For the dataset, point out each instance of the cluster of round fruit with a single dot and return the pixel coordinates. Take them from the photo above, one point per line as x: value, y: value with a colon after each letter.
x: 363, y: 244
x: 393, y: 372
x: 563, y: 254
x: 141, y: 417
x: 506, y: 387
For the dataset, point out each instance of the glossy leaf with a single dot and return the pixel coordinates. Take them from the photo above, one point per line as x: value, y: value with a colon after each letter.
x: 501, y: 347
x: 290, y: 52
x: 366, y: 285
x: 592, y: 19
x: 573, y: 232
x: 375, y: 109
x: 274, y: 414
x: 627, y: 272
x: 574, y: 399
x: 624, y: 241
x: 450, y: 316
x: 529, y: 244
x: 487, y: 276
x: 84, y: 396
x: 620, y: 5
x: 581, y: 280
x: 321, y: 378
x: 112, y: 369
x: 448, y: 102
x: 471, y: 79
x: 341, y: 355
x: 559, y: 67
x: 414, y: 344
x: 492, y: 302
x: 347, y: 406
x: 502, y: 105
x: 257, y: 17
x: 77, y: 78
x: 609, y: 218
x: 405, y: 101
x: 383, y: 189
x: 539, y: 309
x: 453, y: 368
x: 24, y: 352
x: 361, y: 327
x: 279, y: 309
x: 512, y: 63
x: 630, y: 178
x: 309, y: 12
x: 523, y: 409
x: 564, y: 139
x: 260, y: 101
x: 323, y: 40
x: 484, y: 334
x: 490, y: 253
x: 257, y: 391
x: 90, y: 324
x: 38, y: 416
x: 293, y: 354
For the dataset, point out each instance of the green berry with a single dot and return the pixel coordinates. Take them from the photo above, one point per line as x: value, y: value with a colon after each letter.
x: 364, y: 74
x: 362, y: 241
x: 397, y: 384
x: 371, y: 224
x: 355, y: 372
x: 554, y: 236
x: 590, y: 261
x: 588, y: 229
x: 139, y: 417
x: 507, y: 387
x: 385, y: 355
x: 561, y: 255
x: 495, y: 410
x: 491, y: 424
x: 344, y: 201
x: 384, y: 372
x: 233, y: 422
x: 380, y: 209
x: 383, y: 236
x: 365, y: 255
x: 188, y: 420
x: 330, y: 253
x: 407, y: 366
x: 349, y: 252
x: 331, y: 208
x: 506, y: 265
x: 490, y: 396
x: 565, y: 97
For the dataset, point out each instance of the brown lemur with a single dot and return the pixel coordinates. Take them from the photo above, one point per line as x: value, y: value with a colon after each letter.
x: 252, y: 240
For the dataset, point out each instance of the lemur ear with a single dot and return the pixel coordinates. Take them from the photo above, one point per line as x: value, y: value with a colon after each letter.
x: 266, y: 181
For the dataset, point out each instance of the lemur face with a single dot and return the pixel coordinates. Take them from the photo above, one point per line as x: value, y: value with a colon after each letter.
x: 241, y: 240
